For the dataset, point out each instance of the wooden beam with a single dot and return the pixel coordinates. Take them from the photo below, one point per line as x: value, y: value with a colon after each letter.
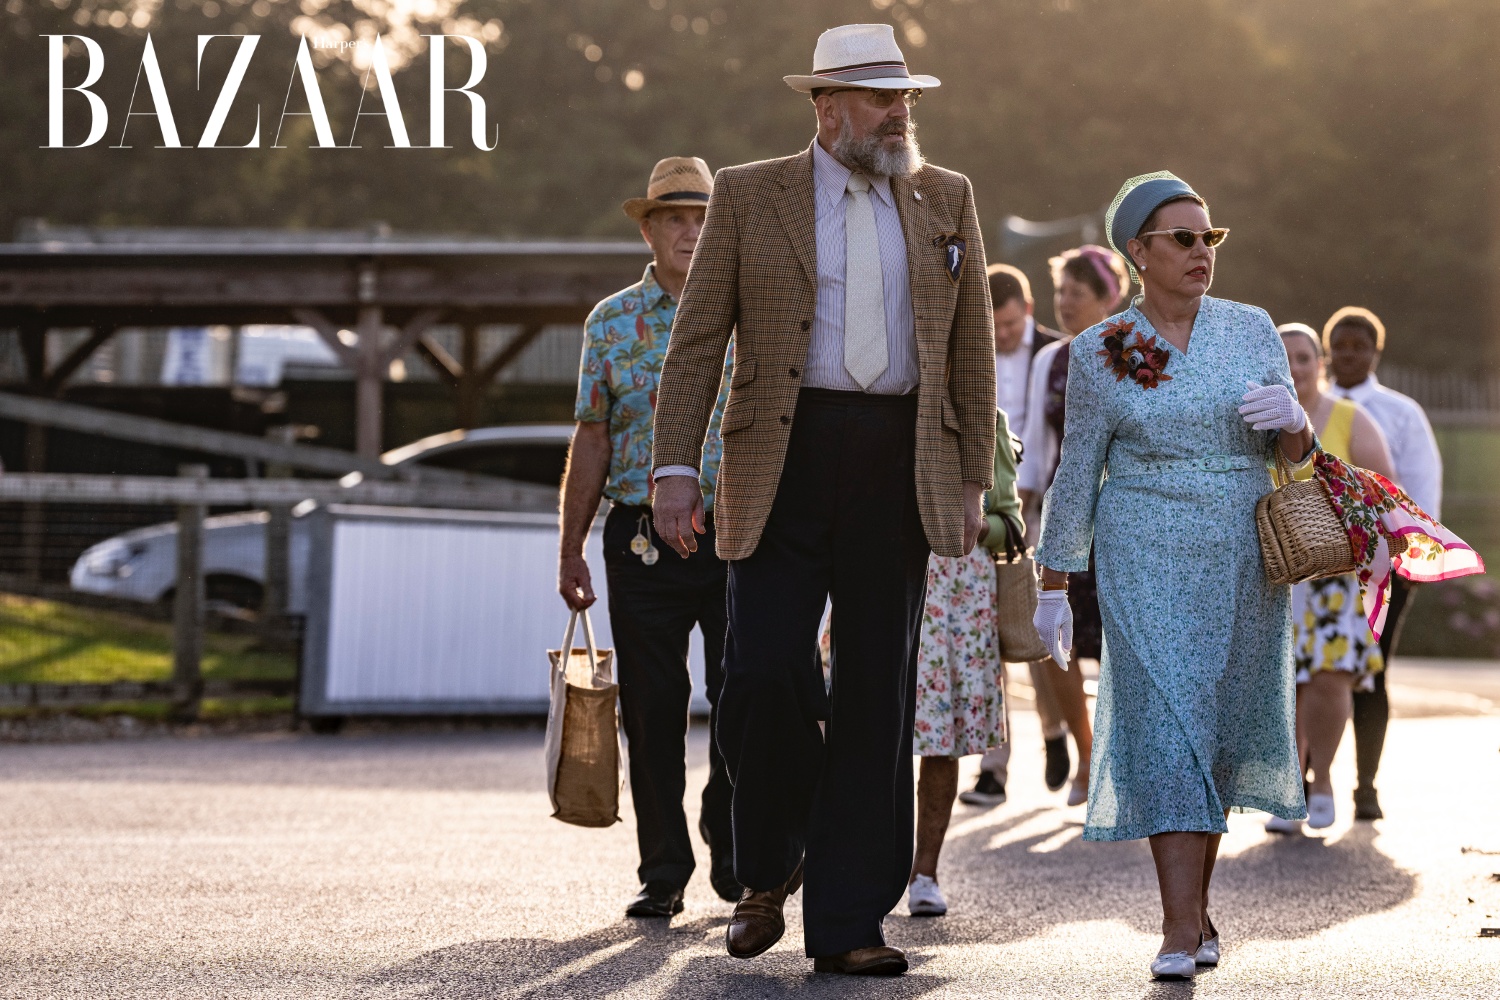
x: 329, y: 331
x: 58, y: 377
x: 187, y: 604
x: 59, y: 487
x: 408, y: 334
x: 509, y: 353
x: 435, y: 354
x: 150, y: 430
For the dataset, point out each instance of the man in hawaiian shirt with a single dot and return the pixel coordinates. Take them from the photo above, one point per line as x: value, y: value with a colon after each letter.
x: 653, y: 602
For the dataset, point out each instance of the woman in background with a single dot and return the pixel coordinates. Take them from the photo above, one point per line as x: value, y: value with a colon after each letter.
x: 1088, y: 283
x: 1334, y: 649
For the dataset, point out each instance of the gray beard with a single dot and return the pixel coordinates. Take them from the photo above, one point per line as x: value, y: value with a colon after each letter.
x: 871, y: 157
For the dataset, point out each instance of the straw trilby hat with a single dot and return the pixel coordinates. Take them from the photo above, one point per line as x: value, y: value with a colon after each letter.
x: 675, y: 181
x: 859, y: 55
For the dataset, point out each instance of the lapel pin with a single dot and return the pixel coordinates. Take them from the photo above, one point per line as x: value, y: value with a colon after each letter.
x: 917, y: 195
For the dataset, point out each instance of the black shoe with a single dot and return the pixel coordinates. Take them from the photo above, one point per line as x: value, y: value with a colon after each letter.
x: 657, y: 898
x: 1367, y: 804
x: 1058, y: 764
x: 987, y: 791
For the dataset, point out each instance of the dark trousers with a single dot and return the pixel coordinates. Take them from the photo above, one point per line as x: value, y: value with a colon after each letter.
x: 1372, y: 709
x: 652, y: 611
x: 844, y: 525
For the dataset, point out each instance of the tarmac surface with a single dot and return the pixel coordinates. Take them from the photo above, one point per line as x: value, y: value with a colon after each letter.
x: 410, y: 864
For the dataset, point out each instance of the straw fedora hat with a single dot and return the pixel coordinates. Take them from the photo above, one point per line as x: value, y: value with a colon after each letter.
x: 675, y: 181
x: 859, y: 55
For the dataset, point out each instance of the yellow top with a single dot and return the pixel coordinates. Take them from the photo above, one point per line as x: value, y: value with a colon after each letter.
x: 1337, y: 435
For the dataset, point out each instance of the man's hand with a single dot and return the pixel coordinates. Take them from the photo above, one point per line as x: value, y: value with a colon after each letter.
x: 574, y: 582
x: 973, y: 514
x: 677, y: 512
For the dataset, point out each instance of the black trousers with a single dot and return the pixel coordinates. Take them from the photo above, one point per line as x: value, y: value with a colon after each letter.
x: 1372, y: 709
x: 844, y: 525
x: 652, y: 611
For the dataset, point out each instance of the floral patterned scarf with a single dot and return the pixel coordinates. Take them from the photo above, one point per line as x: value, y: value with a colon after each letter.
x: 1375, y: 510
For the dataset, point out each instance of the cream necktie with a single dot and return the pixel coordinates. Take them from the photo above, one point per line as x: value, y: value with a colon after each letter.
x: 864, y: 289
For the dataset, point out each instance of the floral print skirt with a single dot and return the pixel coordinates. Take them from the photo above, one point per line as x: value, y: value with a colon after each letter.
x: 1332, y: 632
x: 960, y: 695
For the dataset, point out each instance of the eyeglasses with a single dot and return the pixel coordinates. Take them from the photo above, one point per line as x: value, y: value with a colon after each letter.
x: 1186, y: 237
x: 884, y: 98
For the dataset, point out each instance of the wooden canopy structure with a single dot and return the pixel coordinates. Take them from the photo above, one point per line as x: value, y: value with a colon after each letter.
x: 371, y: 296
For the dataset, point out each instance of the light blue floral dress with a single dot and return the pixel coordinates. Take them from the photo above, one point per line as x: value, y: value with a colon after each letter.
x: 1196, y: 688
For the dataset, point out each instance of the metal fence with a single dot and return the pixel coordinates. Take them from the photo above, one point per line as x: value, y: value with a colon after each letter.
x: 123, y: 588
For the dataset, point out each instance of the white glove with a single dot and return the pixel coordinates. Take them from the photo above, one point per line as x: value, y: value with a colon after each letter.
x: 1054, y: 623
x: 1272, y: 408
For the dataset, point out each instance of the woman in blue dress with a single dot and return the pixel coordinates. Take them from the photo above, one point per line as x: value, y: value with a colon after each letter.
x: 1174, y: 407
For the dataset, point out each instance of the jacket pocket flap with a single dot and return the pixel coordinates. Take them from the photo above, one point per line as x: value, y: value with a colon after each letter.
x: 738, y: 416
x: 950, y: 417
x: 743, y: 373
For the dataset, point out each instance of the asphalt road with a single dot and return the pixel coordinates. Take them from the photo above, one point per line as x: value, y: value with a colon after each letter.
x: 422, y: 865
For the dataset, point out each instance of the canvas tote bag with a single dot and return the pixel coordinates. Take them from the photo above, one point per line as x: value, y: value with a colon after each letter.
x: 583, y: 732
x: 1015, y: 600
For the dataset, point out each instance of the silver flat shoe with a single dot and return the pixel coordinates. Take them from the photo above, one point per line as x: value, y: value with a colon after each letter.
x: 1173, y: 965
x: 1208, y: 952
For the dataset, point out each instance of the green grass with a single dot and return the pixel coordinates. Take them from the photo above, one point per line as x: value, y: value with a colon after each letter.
x: 49, y: 642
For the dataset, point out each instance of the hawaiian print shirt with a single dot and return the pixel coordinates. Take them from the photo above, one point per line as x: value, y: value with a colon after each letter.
x: 624, y: 344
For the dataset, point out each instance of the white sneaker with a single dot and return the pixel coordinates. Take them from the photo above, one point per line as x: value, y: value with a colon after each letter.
x: 924, y: 898
x: 1320, y: 811
x: 1278, y: 825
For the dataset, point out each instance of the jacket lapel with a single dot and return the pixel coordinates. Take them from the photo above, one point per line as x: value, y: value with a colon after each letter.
x: 797, y: 212
x: 914, y: 225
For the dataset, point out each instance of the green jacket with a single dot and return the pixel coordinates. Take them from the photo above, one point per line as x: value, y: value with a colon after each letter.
x: 1002, y: 502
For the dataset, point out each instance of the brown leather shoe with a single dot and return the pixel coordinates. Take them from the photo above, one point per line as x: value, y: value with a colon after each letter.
x: 880, y: 961
x: 757, y: 922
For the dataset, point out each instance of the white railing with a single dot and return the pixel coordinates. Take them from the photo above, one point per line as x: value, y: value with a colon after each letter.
x: 1450, y: 398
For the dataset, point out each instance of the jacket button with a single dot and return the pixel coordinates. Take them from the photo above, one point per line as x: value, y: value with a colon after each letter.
x: 786, y: 420
x: 806, y: 325
x: 793, y: 372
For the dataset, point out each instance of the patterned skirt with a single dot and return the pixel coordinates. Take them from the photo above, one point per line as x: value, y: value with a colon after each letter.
x: 1332, y: 632
x: 960, y: 698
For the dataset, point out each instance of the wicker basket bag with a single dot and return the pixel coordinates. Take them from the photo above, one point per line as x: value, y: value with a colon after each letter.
x: 1301, y: 536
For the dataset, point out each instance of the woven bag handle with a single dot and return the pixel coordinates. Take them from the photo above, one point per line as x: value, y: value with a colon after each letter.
x: 1283, y: 475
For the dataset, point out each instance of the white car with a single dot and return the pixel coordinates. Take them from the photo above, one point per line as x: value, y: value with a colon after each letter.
x: 141, y: 565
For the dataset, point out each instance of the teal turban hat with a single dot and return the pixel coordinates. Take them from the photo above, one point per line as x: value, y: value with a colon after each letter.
x: 1138, y: 198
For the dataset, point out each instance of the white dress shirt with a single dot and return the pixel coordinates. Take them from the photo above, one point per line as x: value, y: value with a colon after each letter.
x: 1414, y: 450
x: 1011, y: 372
x: 825, y: 349
x: 1039, y: 441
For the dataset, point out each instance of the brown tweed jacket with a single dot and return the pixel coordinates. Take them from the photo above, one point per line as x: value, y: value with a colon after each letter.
x: 754, y: 272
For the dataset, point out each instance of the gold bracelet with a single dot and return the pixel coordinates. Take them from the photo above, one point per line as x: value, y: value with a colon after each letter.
x: 1055, y: 586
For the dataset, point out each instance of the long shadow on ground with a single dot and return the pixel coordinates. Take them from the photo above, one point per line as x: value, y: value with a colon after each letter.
x: 1280, y: 889
x: 617, y: 960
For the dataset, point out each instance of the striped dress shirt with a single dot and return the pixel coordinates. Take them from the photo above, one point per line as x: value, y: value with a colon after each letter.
x: 825, y: 352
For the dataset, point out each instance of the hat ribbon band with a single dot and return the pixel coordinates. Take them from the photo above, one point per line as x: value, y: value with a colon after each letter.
x: 863, y: 71
x: 681, y: 196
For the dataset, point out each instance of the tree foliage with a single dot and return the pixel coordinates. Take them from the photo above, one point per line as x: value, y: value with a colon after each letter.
x: 1351, y: 147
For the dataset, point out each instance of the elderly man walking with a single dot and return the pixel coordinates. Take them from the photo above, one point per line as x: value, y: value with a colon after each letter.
x: 859, y: 433
x: 653, y: 603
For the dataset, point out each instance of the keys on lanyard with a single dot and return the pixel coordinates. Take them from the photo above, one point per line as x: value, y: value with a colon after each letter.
x: 641, y: 543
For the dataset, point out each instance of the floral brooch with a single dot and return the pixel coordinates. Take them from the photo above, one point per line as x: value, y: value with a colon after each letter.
x: 1141, y: 359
